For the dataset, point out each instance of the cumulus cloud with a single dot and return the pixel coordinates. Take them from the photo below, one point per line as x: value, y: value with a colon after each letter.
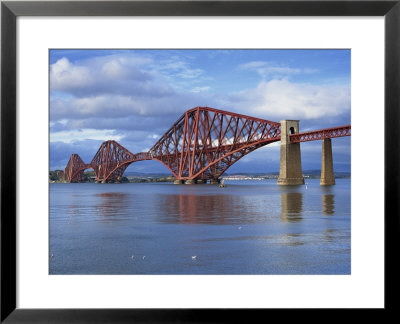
x: 111, y: 106
x: 283, y: 99
x: 109, y: 75
x: 64, y: 76
x: 272, y: 100
x: 118, y: 86
x: 71, y: 136
x: 117, y: 106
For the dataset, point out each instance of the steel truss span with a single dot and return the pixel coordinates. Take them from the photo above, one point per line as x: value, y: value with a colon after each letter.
x: 321, y: 134
x: 202, y: 144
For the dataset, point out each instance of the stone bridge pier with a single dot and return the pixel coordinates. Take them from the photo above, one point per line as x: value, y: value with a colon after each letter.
x: 290, y: 173
x: 327, y: 174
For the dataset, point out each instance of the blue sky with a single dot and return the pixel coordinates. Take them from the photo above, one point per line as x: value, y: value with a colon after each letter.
x: 134, y: 96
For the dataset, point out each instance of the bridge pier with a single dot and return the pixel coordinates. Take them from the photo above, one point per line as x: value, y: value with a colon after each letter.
x: 290, y: 173
x: 190, y: 181
x: 176, y: 181
x: 215, y: 181
x: 327, y: 174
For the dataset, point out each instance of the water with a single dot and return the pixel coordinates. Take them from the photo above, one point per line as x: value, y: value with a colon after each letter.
x: 248, y: 227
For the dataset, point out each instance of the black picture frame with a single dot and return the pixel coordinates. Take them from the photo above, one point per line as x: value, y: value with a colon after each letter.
x: 10, y: 10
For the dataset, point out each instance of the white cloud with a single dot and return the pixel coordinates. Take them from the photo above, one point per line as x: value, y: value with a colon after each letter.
x: 64, y: 75
x: 114, y: 106
x: 271, y: 70
x: 178, y: 68
x: 200, y: 89
x: 252, y: 65
x: 114, y: 69
x: 287, y: 100
x: 108, y: 75
x: 84, y: 134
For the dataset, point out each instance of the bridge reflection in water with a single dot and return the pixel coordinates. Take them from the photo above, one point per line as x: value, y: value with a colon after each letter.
x: 328, y: 204
x: 291, y: 206
x: 328, y: 200
x: 113, y: 206
x: 210, y: 209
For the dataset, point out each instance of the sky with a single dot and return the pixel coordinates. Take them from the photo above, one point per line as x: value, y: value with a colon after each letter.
x: 134, y: 97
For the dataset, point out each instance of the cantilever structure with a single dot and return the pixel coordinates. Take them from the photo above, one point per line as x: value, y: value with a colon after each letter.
x: 201, y: 145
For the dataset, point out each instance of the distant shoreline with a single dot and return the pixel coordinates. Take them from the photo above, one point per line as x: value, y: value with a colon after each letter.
x: 150, y: 178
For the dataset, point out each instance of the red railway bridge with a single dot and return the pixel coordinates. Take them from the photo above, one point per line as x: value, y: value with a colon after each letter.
x: 204, y: 142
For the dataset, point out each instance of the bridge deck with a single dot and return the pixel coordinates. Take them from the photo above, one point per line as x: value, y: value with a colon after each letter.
x: 321, y: 134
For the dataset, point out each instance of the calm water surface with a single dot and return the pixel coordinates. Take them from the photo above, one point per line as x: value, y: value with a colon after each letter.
x: 248, y: 227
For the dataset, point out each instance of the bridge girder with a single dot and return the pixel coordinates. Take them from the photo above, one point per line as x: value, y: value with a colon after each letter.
x: 204, y: 142
x: 74, y: 169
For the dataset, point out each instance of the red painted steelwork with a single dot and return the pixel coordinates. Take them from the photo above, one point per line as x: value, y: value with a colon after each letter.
x: 112, y: 159
x: 202, y: 144
x: 109, y: 163
x: 321, y: 134
x: 74, y: 169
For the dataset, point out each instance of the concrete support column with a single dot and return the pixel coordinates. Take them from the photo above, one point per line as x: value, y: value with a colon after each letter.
x: 176, y: 181
x: 200, y: 181
x: 190, y: 181
x: 215, y: 181
x: 290, y: 173
x: 327, y: 174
